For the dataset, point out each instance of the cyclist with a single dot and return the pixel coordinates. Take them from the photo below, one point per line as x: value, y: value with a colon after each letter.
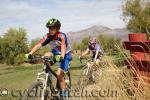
x: 96, y: 49
x: 60, y: 50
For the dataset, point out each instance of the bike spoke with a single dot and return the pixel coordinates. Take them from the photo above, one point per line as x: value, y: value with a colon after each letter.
x: 35, y: 93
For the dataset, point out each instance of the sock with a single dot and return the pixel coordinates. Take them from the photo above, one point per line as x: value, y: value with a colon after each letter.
x: 64, y: 93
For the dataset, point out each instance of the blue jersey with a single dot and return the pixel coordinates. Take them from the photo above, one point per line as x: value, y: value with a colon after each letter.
x: 56, y: 41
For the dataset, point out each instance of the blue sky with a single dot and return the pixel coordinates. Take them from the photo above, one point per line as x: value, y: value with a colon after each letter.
x: 74, y: 14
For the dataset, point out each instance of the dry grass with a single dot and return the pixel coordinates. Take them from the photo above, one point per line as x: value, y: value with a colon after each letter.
x: 116, y: 83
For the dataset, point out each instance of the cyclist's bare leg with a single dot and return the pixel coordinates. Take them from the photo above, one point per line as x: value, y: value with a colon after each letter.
x: 60, y: 74
x: 97, y: 62
x: 48, y: 54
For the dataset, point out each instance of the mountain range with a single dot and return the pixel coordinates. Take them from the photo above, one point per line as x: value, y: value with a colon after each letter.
x: 95, y: 31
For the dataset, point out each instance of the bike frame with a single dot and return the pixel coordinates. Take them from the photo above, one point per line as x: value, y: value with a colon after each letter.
x: 88, y: 67
x: 45, y: 77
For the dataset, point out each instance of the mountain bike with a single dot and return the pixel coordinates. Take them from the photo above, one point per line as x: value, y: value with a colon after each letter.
x: 43, y: 88
x: 88, y: 73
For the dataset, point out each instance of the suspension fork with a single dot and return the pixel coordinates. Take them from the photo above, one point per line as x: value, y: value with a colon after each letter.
x: 86, y: 71
x: 45, y: 86
x: 48, y: 80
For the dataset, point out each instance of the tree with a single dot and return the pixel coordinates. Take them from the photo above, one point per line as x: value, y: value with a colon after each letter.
x: 137, y: 15
x: 14, y: 45
x: 84, y: 43
x: 108, y: 44
x: 1, y: 46
x: 42, y: 50
x: 76, y: 46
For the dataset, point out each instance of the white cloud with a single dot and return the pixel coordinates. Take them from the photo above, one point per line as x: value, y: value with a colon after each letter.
x: 74, y: 15
x: 10, y: 9
x: 20, y: 14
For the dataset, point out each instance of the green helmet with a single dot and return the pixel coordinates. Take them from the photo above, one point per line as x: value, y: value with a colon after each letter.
x: 53, y: 22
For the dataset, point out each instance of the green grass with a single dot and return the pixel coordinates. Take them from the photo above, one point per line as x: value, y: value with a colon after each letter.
x: 20, y: 77
x: 17, y: 78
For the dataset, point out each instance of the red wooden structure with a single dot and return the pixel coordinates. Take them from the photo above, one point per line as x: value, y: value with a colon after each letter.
x: 139, y: 48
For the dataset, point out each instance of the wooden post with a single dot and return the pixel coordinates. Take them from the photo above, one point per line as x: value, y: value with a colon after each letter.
x: 139, y: 48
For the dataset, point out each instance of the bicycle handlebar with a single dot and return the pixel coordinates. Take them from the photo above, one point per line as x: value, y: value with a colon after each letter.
x: 87, y: 59
x: 50, y: 60
x: 44, y: 58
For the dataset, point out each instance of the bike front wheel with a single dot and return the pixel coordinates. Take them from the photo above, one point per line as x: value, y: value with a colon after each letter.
x: 84, y: 78
x: 36, y: 92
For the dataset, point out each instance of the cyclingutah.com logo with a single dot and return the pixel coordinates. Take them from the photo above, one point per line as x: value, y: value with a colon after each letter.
x: 72, y: 93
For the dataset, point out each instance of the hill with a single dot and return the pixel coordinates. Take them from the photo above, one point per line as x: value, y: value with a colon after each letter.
x: 97, y: 30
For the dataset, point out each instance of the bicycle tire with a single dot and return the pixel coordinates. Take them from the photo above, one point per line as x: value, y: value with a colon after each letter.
x: 83, y: 78
x: 27, y: 95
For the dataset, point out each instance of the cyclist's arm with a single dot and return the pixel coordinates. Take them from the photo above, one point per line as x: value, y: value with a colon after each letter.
x: 41, y: 43
x: 63, y: 47
x: 97, y: 51
x: 86, y: 52
x: 35, y: 48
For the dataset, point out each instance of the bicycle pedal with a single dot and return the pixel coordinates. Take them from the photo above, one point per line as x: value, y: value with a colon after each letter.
x: 55, y: 94
x: 56, y: 91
